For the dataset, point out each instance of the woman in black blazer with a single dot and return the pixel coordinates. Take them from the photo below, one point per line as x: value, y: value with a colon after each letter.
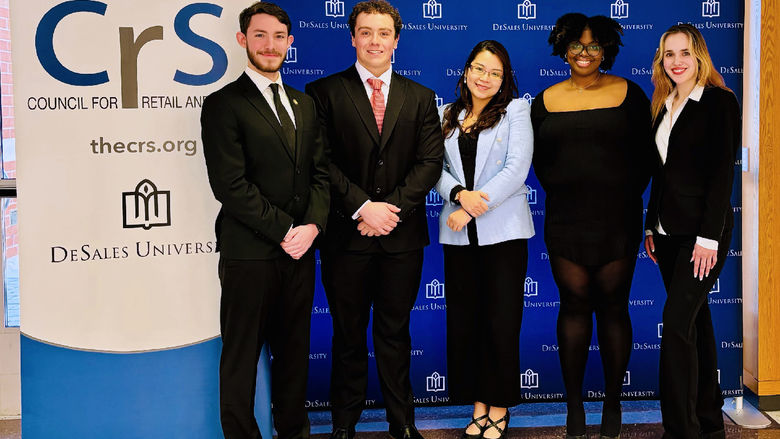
x: 689, y: 221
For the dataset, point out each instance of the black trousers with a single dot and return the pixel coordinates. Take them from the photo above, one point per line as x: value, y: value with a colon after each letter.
x: 265, y: 300
x: 484, y: 311
x: 690, y: 395
x: 354, y: 281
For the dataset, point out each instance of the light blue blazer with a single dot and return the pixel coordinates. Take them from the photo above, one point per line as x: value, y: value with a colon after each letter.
x: 503, y: 158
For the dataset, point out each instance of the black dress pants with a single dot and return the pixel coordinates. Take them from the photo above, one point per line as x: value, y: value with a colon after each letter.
x: 484, y: 311
x: 690, y: 395
x: 265, y: 300
x: 354, y: 281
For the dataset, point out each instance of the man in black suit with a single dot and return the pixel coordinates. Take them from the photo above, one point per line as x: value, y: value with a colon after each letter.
x: 266, y: 165
x: 385, y: 148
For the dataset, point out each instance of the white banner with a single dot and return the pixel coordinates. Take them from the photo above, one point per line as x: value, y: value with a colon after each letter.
x: 116, y: 231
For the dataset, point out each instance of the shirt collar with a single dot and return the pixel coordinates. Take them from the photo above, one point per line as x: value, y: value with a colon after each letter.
x: 365, y: 74
x: 261, y: 81
x: 695, y: 94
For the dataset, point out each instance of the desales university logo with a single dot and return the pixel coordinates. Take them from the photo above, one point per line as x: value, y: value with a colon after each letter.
x: 146, y: 207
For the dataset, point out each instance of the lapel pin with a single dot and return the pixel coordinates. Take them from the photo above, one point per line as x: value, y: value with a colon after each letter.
x: 295, y: 101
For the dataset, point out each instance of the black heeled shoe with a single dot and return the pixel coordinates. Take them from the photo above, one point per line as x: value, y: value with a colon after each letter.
x: 481, y: 428
x: 494, y: 424
x: 610, y: 418
x: 575, y: 420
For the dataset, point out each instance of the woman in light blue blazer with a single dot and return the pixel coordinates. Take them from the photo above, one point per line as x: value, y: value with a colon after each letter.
x: 484, y: 226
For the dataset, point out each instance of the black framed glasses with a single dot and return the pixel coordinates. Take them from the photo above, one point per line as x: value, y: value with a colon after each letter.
x: 592, y: 49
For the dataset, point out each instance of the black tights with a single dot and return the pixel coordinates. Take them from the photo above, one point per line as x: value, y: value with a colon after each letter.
x: 602, y: 289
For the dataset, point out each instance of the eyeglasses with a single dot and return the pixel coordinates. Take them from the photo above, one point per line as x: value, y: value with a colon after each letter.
x: 480, y: 71
x: 575, y: 48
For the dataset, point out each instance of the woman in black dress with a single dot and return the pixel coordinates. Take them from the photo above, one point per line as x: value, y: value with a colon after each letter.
x: 591, y: 154
x: 689, y: 221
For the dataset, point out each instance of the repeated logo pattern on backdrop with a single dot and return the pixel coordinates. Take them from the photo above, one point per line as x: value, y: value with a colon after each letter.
x: 437, y: 36
x: 119, y: 89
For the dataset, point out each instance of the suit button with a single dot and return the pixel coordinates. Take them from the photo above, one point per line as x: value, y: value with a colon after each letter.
x: 379, y: 190
x: 298, y: 171
x: 296, y: 198
x: 380, y: 162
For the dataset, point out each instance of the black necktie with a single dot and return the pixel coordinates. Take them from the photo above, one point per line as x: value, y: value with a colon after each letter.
x: 284, y: 118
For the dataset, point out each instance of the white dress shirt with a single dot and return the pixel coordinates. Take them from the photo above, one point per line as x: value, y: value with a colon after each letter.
x: 264, y: 85
x: 365, y: 75
x: 662, y: 142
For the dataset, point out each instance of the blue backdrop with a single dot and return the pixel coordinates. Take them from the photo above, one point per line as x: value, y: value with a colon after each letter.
x: 435, y: 40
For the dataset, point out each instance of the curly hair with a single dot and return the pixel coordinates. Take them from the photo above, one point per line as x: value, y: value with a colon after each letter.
x: 375, y: 7
x: 497, y: 105
x: 605, y: 30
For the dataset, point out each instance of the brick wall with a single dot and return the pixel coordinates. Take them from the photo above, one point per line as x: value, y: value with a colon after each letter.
x: 6, y: 81
x: 9, y: 225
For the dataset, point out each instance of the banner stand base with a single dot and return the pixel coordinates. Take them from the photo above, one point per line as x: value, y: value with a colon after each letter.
x: 744, y: 414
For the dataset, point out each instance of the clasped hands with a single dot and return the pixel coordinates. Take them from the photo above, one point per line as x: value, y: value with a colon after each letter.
x: 472, y: 205
x: 377, y: 218
x: 298, y: 240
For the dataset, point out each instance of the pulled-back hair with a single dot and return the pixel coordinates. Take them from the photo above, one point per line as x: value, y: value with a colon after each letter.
x: 605, y: 30
x: 496, y: 108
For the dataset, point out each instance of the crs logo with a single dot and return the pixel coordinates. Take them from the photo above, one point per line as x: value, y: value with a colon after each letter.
x: 129, y: 48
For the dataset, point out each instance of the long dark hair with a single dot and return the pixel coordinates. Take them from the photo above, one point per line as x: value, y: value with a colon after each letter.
x: 497, y: 105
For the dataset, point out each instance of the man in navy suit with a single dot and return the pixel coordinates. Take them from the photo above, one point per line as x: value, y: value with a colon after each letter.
x: 385, y: 149
x: 266, y: 166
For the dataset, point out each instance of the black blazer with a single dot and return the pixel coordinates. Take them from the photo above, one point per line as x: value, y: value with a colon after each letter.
x: 399, y: 167
x: 264, y: 185
x: 691, y: 193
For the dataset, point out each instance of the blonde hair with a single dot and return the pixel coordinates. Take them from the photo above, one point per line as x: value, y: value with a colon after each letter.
x: 706, y: 73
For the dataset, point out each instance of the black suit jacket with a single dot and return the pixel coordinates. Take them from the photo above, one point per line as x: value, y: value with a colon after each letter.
x: 691, y: 193
x: 399, y: 167
x: 264, y: 185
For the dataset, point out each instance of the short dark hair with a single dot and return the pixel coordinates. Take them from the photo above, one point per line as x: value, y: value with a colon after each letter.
x: 605, y: 30
x: 375, y: 7
x: 263, y: 8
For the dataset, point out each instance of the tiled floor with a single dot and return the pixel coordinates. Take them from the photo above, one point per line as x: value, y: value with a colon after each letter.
x: 11, y: 429
x: 539, y: 420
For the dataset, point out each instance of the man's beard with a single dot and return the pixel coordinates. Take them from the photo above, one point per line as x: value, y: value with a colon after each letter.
x: 255, y: 60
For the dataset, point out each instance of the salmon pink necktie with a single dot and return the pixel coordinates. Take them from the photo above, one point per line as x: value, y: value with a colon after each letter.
x: 377, y: 102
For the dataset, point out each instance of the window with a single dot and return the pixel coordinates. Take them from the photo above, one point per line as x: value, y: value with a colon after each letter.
x: 9, y: 248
